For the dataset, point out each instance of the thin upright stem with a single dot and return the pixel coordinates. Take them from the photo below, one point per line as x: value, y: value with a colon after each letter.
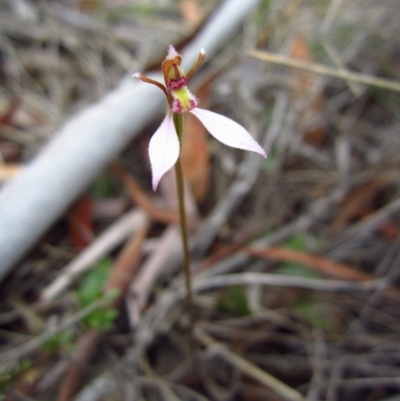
x: 184, y: 233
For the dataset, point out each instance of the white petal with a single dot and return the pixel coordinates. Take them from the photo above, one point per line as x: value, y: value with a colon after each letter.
x: 227, y: 131
x: 172, y: 53
x: 163, y: 149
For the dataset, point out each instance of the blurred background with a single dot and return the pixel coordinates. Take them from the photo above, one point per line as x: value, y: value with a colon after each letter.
x: 295, y: 258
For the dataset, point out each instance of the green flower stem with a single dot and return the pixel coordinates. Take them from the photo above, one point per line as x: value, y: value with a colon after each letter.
x: 184, y: 233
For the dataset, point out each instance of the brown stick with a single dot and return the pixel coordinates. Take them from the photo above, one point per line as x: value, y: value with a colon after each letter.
x: 318, y: 263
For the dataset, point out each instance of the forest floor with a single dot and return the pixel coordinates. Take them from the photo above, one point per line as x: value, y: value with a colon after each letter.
x: 295, y: 258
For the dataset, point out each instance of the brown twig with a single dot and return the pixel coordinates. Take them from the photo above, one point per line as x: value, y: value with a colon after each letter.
x: 86, y: 348
x: 318, y: 263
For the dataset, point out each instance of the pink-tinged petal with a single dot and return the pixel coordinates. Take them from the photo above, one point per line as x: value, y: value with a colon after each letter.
x: 163, y: 149
x: 227, y: 131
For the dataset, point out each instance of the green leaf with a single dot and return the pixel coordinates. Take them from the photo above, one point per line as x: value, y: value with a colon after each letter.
x: 104, y: 186
x: 64, y: 339
x: 234, y: 301
x: 297, y: 243
x: 91, y: 286
x: 101, y: 319
x: 91, y: 289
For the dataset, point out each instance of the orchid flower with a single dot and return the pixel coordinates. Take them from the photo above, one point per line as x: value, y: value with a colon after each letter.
x: 164, y: 147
